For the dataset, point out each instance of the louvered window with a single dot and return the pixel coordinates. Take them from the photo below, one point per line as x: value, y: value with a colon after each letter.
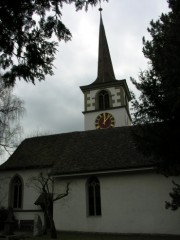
x: 103, y: 100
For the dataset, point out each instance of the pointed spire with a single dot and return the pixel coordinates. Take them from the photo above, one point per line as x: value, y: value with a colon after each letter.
x: 105, y: 68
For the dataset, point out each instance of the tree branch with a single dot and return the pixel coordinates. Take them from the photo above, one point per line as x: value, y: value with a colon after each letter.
x: 62, y: 195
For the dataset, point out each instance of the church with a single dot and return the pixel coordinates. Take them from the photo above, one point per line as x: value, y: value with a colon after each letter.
x: 113, y: 188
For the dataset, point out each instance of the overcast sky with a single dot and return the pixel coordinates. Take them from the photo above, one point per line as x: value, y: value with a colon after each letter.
x: 56, y: 104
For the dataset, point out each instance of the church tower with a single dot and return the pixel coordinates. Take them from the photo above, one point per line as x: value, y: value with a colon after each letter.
x: 106, y: 100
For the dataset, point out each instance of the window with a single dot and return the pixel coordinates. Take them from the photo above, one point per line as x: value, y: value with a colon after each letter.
x: 94, y: 198
x: 16, y: 190
x: 103, y: 99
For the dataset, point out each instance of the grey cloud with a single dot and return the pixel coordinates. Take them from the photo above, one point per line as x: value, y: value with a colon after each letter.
x: 56, y: 105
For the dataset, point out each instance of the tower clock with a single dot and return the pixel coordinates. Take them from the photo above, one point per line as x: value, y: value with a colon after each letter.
x: 104, y: 120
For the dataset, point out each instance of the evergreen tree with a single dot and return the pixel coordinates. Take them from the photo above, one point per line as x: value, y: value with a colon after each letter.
x: 160, y: 84
x: 26, y: 27
x: 158, y: 109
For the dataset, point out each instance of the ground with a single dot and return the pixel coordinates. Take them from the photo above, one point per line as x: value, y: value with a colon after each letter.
x: 86, y: 236
x: 81, y: 236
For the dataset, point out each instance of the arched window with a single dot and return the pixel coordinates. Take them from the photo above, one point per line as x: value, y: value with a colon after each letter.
x: 93, y: 197
x: 16, y: 192
x: 103, y: 98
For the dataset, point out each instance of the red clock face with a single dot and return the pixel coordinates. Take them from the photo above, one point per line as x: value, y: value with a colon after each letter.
x: 104, y: 120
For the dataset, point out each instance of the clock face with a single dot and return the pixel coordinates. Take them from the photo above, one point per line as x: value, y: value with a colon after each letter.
x: 104, y: 120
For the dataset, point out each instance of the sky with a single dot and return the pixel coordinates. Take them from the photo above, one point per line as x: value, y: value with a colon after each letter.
x: 56, y: 104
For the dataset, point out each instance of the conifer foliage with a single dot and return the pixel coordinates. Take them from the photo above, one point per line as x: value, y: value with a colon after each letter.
x: 158, y: 109
x: 160, y: 84
x: 26, y: 28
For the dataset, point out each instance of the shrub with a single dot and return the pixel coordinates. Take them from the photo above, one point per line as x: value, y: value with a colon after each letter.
x: 3, y: 217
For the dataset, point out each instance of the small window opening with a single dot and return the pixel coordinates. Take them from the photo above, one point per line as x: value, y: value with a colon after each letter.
x: 94, y: 198
x: 103, y: 100
x: 16, y: 192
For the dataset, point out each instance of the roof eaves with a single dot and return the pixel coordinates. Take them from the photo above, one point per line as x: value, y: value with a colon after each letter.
x: 95, y: 85
x: 105, y: 172
x: 2, y: 169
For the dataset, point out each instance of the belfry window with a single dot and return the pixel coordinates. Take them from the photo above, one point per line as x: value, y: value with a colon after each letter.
x: 103, y: 99
x: 93, y: 197
x: 16, y: 192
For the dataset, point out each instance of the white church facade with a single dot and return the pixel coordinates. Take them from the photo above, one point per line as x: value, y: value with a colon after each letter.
x: 113, y: 187
x: 131, y: 202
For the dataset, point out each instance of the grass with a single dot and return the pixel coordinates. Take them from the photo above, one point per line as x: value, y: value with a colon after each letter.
x: 88, y: 236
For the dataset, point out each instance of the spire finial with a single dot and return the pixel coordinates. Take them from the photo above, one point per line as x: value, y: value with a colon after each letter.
x: 100, y: 8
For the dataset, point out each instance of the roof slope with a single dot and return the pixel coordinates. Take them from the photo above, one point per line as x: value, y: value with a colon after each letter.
x: 80, y: 152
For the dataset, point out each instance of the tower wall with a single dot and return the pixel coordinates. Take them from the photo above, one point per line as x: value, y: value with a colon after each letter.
x: 116, y: 95
x: 120, y: 115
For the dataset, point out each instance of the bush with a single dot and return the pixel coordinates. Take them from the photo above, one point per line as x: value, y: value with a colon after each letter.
x: 4, y: 212
x: 3, y: 217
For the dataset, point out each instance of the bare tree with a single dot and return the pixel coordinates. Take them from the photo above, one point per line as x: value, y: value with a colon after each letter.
x: 45, y: 186
x: 11, y: 109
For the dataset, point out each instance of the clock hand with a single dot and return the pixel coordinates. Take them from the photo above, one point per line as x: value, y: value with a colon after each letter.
x: 105, y: 119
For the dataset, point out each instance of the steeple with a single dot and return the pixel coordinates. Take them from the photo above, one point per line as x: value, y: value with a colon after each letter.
x: 105, y: 68
x: 106, y: 100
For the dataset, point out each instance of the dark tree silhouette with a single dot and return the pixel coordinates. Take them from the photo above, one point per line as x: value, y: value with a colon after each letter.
x: 27, y: 50
x: 45, y: 186
x: 175, y: 196
x: 158, y: 109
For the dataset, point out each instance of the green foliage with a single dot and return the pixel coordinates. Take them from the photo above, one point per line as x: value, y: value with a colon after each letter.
x: 160, y: 84
x: 158, y: 108
x: 175, y: 196
x: 26, y: 28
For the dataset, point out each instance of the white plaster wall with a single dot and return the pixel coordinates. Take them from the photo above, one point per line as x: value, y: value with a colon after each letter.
x: 120, y: 115
x: 133, y: 203
x: 30, y: 193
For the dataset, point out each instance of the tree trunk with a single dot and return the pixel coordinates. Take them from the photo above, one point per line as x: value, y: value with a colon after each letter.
x: 46, y: 219
x: 53, y: 231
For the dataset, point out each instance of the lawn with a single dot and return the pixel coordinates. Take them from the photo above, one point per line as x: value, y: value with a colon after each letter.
x: 85, y: 236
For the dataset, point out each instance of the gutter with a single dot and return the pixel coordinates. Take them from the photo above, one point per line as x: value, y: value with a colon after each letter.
x: 104, y: 172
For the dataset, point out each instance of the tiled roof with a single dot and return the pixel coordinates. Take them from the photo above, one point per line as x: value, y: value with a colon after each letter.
x: 80, y: 152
